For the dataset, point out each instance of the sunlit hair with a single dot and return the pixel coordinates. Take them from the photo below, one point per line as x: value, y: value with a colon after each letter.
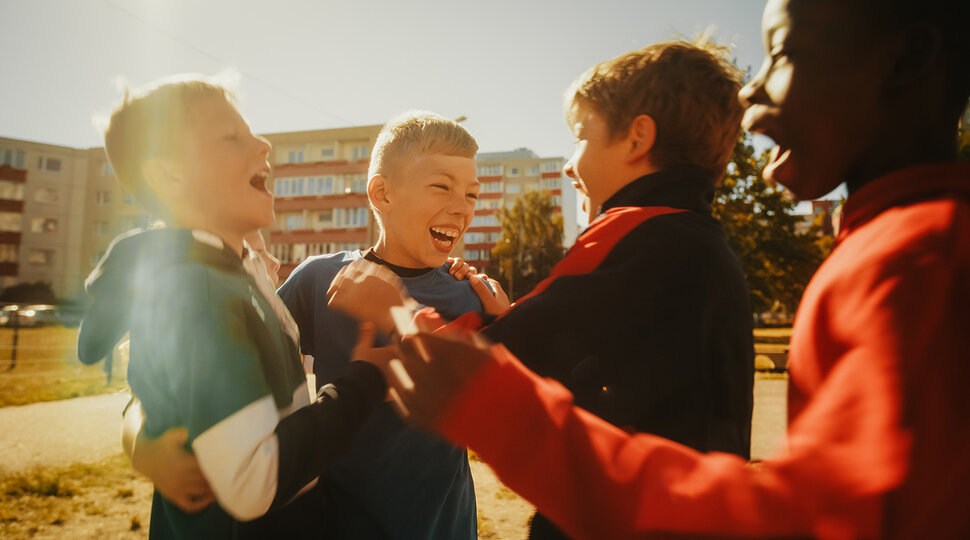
x: 417, y: 132
x: 689, y: 89
x: 151, y: 122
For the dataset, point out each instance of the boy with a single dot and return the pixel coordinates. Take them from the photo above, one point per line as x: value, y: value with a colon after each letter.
x: 864, y: 92
x: 646, y: 319
x: 209, y: 345
x: 395, y: 482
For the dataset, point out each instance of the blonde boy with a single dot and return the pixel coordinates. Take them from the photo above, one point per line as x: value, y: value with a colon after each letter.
x: 209, y: 350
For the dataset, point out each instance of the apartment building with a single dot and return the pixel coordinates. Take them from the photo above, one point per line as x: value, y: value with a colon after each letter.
x: 320, y: 184
x: 40, y: 228
x: 504, y: 177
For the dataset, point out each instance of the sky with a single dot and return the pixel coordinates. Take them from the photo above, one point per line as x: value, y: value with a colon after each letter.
x: 314, y: 64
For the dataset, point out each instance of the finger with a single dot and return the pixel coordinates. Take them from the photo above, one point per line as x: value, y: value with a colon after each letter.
x: 365, y: 340
x: 480, y: 288
x: 399, y: 407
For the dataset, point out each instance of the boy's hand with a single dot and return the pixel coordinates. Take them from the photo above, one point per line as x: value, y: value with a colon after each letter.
x: 174, y: 471
x: 432, y: 370
x: 495, y: 303
x: 367, y: 291
x: 366, y: 352
x: 460, y: 269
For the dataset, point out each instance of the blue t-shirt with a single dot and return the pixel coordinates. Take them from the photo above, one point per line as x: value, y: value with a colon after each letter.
x: 395, y: 481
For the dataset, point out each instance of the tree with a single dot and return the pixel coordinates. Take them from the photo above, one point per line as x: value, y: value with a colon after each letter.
x: 29, y: 293
x: 530, y: 245
x: 778, y: 261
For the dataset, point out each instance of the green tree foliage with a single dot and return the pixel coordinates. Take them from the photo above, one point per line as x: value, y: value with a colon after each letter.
x: 530, y: 245
x: 757, y: 216
x: 29, y: 293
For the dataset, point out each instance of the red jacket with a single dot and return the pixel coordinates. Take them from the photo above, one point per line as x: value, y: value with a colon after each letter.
x: 878, y: 443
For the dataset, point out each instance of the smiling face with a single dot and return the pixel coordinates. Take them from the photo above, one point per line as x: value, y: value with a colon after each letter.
x: 223, y: 169
x: 427, y: 202
x: 817, y: 95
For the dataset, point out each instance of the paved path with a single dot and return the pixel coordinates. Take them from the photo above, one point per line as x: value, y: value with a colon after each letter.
x: 77, y: 430
x: 87, y: 429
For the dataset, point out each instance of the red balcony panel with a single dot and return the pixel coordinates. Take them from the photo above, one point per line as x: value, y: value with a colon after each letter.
x: 495, y: 195
x: 321, y: 202
x: 556, y: 174
x: 10, y: 237
x: 554, y: 191
x: 485, y: 229
x: 490, y: 178
x: 487, y: 212
x: 9, y: 268
x: 288, y: 170
x: 309, y: 236
x: 484, y: 245
x: 13, y: 175
x: 11, y: 206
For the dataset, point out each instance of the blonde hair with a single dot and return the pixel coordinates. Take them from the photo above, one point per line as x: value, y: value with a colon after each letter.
x: 418, y: 132
x: 689, y: 89
x: 150, y: 123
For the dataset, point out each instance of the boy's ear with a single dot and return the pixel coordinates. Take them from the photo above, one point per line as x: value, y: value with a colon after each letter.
x: 377, y: 192
x: 161, y: 176
x: 642, y: 136
x: 915, y: 50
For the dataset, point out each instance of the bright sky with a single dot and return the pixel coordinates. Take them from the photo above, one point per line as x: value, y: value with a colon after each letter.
x: 312, y: 64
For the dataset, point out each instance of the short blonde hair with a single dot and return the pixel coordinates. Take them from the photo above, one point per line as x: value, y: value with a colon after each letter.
x: 151, y: 124
x: 690, y: 90
x: 418, y: 132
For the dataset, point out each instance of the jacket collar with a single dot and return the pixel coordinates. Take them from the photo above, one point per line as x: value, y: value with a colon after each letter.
x: 688, y: 187
x: 901, y: 187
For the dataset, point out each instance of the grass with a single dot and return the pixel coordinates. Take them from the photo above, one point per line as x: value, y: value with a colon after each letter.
x: 104, y: 499
x: 47, y: 368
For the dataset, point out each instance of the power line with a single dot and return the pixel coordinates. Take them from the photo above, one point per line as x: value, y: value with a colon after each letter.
x: 212, y: 57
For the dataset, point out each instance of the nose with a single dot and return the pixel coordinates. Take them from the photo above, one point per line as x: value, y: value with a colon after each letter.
x: 263, y: 145
x: 754, y: 91
x: 569, y: 169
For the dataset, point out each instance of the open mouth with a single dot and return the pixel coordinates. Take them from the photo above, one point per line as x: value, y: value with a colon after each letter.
x: 444, y: 238
x: 258, y: 181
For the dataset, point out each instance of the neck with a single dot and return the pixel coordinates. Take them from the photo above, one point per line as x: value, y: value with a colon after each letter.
x: 230, y: 238
x: 921, y: 144
x: 622, y: 180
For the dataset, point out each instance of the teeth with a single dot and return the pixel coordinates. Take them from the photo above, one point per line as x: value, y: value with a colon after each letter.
x: 450, y: 233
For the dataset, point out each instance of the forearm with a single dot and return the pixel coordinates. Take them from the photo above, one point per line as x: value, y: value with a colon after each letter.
x: 596, y: 481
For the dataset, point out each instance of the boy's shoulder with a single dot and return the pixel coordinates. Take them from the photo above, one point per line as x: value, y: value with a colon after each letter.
x: 320, y: 268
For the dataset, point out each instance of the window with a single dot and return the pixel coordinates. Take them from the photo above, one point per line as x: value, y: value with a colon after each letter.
x: 294, y: 221
x: 551, y: 183
x: 491, y: 187
x: 13, y: 158
x: 101, y: 228
x: 493, y: 170
x: 51, y: 164
x: 42, y: 257
x: 325, y: 219
x: 104, y: 198
x: 8, y: 253
x: 513, y: 188
x: 11, y: 191
x: 361, y: 152
x: 556, y: 200
x: 551, y: 166
x: 106, y: 169
x: 10, y: 222
x: 358, y: 183
x: 491, y: 204
x: 328, y: 153
x: 296, y: 156
x: 43, y: 225
x: 484, y: 221
x: 533, y: 171
x: 477, y: 254
x: 514, y: 171
x: 320, y: 185
x: 350, y: 217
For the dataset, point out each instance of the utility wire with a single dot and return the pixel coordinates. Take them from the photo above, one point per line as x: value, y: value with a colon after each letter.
x: 212, y: 57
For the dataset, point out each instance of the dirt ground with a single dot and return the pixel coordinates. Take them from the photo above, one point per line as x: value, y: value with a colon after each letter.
x: 107, y: 500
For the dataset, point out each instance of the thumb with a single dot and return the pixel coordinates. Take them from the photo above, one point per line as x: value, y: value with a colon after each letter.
x: 480, y: 287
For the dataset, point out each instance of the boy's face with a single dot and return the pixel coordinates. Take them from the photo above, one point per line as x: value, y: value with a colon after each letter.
x: 224, y: 167
x: 432, y: 202
x: 817, y: 94
x: 593, y: 164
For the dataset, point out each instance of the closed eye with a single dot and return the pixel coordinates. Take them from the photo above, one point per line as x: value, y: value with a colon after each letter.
x: 440, y: 186
x: 473, y: 196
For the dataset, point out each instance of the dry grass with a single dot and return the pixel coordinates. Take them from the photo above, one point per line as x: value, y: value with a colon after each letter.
x: 47, y: 368
x: 98, y: 500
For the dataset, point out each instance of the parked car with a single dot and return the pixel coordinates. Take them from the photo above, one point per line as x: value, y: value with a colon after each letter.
x: 28, y: 316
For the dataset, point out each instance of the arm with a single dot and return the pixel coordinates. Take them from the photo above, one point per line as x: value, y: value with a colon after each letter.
x: 174, y: 471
